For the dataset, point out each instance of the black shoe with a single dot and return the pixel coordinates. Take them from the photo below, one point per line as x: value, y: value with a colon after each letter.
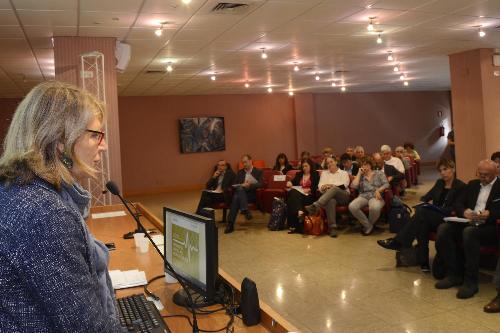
x: 247, y: 214
x: 448, y: 282
x: 389, y: 244
x: 292, y: 231
x: 467, y: 290
x: 229, y: 228
x: 425, y: 268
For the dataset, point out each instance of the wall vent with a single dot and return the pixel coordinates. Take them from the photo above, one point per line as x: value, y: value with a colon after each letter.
x: 230, y: 8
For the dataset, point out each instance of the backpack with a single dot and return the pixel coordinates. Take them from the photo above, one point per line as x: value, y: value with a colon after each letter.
x: 278, y: 215
x: 314, y: 225
x: 399, y: 215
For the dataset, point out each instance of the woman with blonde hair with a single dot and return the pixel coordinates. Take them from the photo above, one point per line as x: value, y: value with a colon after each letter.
x: 53, y: 276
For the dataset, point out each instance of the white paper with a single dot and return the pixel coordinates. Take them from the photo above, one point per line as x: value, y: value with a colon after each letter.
x: 457, y: 219
x: 279, y: 178
x: 158, y: 240
x: 127, y: 279
x: 300, y: 189
x: 109, y: 214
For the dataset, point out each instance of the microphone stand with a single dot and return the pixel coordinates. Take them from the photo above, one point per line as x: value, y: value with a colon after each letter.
x: 169, y: 266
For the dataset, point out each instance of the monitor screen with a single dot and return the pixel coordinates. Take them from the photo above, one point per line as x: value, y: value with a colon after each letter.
x: 191, y: 248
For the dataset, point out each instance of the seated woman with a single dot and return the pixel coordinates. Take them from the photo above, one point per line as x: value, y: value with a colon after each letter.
x: 282, y: 165
x: 370, y: 184
x: 410, y: 150
x: 443, y: 196
x: 302, y: 193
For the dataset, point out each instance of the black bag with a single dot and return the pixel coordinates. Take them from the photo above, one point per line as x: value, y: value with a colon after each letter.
x: 278, y: 215
x: 399, y: 215
x: 406, y: 257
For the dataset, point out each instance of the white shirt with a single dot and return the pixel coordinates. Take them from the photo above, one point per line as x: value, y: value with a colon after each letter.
x: 482, y: 198
x: 340, y: 177
x: 397, y: 163
x: 249, y: 178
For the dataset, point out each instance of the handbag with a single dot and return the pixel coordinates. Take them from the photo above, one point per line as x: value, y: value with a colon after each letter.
x: 314, y: 225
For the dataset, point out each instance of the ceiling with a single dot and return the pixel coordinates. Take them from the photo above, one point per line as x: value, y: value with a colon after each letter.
x: 328, y: 38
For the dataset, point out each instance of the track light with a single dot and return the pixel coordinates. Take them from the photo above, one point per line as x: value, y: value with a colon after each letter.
x: 379, y: 39
x: 247, y: 85
x: 334, y: 84
x: 481, y: 33
x: 263, y: 54
x: 396, y: 68
x: 406, y: 83
x: 269, y: 90
x: 389, y: 56
x: 343, y: 89
x: 213, y: 78
x: 317, y: 77
x: 296, y: 68
x: 290, y: 93
x: 370, y: 25
x: 169, y: 68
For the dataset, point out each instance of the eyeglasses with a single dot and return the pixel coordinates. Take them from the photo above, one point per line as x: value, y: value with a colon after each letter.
x: 98, y: 135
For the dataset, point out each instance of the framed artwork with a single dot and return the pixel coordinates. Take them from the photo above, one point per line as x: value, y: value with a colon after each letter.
x: 199, y: 135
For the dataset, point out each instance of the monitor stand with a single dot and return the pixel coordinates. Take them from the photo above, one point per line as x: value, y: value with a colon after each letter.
x: 181, y: 299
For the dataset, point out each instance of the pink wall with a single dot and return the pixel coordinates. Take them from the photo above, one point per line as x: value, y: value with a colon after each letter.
x: 7, y: 108
x: 262, y: 125
x: 373, y: 119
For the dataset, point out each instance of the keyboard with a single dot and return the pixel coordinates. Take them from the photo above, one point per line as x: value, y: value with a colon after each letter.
x: 139, y: 315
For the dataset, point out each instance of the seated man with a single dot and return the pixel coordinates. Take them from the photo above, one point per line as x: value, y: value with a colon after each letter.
x: 334, y: 186
x: 217, y: 188
x: 348, y: 165
x: 359, y: 153
x: 386, y: 152
x: 248, y: 180
x: 400, y: 153
x: 394, y: 177
x: 350, y: 151
x: 480, y: 203
x: 327, y: 152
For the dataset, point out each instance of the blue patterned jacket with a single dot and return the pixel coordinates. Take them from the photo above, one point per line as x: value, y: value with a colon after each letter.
x: 50, y: 279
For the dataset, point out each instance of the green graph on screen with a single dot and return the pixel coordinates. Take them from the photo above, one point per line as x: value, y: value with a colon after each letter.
x: 185, y: 250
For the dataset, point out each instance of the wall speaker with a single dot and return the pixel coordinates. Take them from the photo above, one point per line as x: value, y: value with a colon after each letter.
x: 122, y: 53
x: 250, y: 309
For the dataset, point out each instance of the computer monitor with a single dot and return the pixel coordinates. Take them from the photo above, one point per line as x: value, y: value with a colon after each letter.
x: 191, y: 247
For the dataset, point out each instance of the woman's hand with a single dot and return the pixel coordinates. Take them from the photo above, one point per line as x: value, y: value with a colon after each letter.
x: 378, y: 196
x: 289, y: 184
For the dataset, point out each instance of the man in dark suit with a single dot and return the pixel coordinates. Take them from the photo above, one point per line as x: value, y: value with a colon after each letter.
x: 248, y: 180
x: 347, y: 164
x: 218, y: 187
x: 480, y: 203
x: 393, y: 175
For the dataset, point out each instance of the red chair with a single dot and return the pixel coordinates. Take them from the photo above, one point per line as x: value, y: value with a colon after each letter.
x: 290, y: 175
x: 294, y: 163
x: 274, y: 188
x: 259, y: 164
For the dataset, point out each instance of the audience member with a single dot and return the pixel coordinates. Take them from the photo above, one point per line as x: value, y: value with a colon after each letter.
x: 282, y: 165
x: 348, y: 165
x: 327, y: 152
x: 334, y: 188
x: 359, y: 153
x: 371, y: 184
x: 394, y: 177
x: 305, y: 155
x: 386, y: 152
x: 248, y: 180
x: 400, y: 153
x: 410, y: 150
x: 451, y: 144
x: 480, y: 203
x: 53, y: 272
x: 302, y: 192
x: 350, y: 151
x: 218, y: 187
x: 443, y: 196
x: 495, y: 157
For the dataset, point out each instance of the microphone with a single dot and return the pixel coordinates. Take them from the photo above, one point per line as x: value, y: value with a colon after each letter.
x: 113, y: 189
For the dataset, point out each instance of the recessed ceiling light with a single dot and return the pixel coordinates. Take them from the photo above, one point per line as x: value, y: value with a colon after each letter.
x: 169, y: 68
x: 406, y: 83
x: 396, y: 68
x: 334, y: 84
x: 481, y: 33
x: 317, y: 77
x: 269, y: 90
x: 247, y: 85
x: 402, y: 77
x: 379, y: 39
x: 290, y: 93
x: 369, y: 27
x: 263, y: 54
x: 343, y: 89
x: 389, y: 56
x: 213, y: 78
x: 296, y: 68
x: 186, y: 2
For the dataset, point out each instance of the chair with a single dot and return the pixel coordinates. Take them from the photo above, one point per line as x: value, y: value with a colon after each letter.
x: 274, y: 188
x: 259, y: 164
x: 290, y: 175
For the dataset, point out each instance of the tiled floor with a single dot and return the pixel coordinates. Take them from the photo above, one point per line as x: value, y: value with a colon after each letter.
x: 347, y: 284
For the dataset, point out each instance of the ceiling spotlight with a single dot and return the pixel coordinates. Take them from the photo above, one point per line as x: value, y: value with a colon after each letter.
x: 213, y: 78
x: 389, y: 56
x: 481, y: 33
x: 290, y: 93
x: 406, y: 83
x: 169, y: 68
x: 370, y: 25
x: 396, y: 68
x: 317, y: 77
x: 379, y: 39
x: 296, y: 68
x: 186, y: 2
x: 247, y: 85
x: 159, y: 31
x: 334, y: 84
x: 264, y: 54
x: 269, y: 90
x: 343, y: 89
x: 402, y: 77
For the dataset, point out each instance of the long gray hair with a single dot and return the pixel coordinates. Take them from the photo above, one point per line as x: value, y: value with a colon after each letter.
x: 53, y: 113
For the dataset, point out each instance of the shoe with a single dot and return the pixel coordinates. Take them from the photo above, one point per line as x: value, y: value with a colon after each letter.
x: 333, y: 232
x: 448, y: 282
x: 248, y: 215
x: 425, y: 268
x: 493, y: 306
x: 229, y: 228
x: 467, y: 290
x: 312, y: 209
x: 367, y: 232
x: 389, y: 244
